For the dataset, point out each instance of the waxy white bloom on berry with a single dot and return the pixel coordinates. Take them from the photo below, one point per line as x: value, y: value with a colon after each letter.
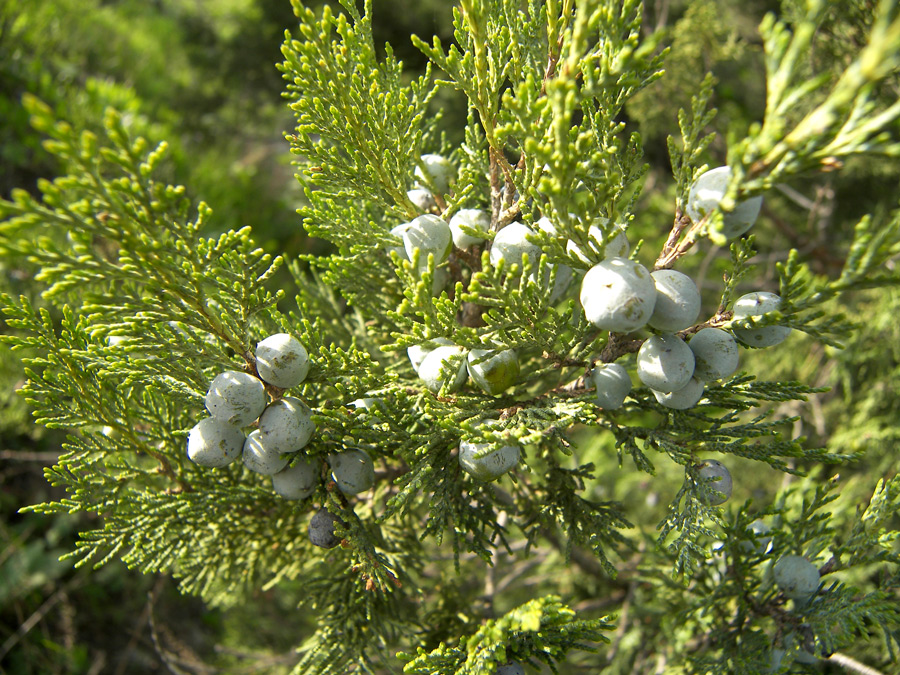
x: 352, y: 470
x: 757, y: 541
x: 282, y: 361
x: 417, y: 353
x: 665, y: 363
x: 429, y: 234
x: 494, y: 374
x: 474, y: 218
x: 439, y: 169
x: 564, y: 273
x: 444, y: 365
x: 757, y: 304
x: 214, y: 443
x: 612, y: 383
x: 489, y: 466
x: 715, y: 354
x: 617, y: 245
x: 682, y: 399
x: 511, y: 245
x: 298, y: 481
x: 286, y: 425
x: 236, y: 397
x: 260, y: 457
x: 707, y: 193
x: 677, y: 301
x: 720, y: 476
x: 797, y: 578
x: 618, y: 295
x: 422, y: 199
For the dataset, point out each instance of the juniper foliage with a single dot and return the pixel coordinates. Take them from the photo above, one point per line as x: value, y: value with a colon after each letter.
x: 138, y: 311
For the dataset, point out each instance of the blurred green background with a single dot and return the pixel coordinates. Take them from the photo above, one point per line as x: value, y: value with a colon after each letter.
x: 201, y: 74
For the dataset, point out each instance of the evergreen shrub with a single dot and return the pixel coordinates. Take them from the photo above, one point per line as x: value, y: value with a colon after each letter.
x: 400, y: 560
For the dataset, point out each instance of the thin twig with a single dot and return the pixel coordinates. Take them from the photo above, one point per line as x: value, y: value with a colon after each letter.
x: 580, y: 557
x: 490, y: 577
x: 795, y: 196
x: 26, y: 626
x: 623, y: 622
x: 518, y: 572
x: 708, y: 259
x: 171, y: 660
x: 138, y: 628
x: 495, y: 190
x: 20, y: 456
x: 851, y: 664
x: 662, y: 14
x: 259, y: 663
x: 673, y: 249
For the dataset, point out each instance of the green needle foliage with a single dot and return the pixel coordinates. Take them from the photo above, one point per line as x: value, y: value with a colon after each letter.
x: 541, y: 629
x: 136, y: 309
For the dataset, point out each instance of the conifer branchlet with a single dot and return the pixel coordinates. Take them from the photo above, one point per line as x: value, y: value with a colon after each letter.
x: 506, y: 265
